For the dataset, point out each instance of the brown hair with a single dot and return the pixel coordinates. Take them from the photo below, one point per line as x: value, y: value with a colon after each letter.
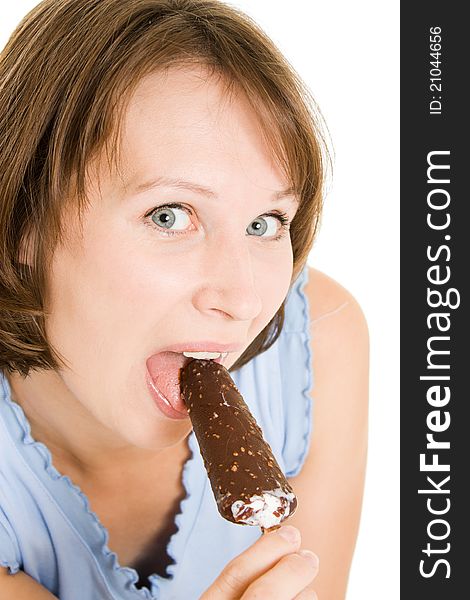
x: 65, y: 76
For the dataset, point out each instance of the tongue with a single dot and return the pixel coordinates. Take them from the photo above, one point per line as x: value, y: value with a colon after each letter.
x: 164, y: 369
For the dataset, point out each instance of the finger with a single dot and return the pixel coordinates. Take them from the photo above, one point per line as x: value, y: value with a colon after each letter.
x: 306, y: 594
x: 289, y: 577
x: 253, y: 563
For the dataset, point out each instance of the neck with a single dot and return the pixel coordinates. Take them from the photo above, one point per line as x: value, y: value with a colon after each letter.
x: 88, y: 448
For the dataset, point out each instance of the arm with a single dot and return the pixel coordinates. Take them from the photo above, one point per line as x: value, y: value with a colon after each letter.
x: 330, y: 485
x: 21, y: 587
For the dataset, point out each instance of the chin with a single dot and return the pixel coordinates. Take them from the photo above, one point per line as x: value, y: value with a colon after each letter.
x: 152, y: 433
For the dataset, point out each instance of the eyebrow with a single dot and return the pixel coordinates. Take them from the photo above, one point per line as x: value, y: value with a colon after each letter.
x: 201, y: 189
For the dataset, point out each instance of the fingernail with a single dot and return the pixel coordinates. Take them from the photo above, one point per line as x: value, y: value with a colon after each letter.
x: 310, y: 556
x: 289, y: 533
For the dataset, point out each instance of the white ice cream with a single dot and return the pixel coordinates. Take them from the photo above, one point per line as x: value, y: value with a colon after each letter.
x: 263, y: 506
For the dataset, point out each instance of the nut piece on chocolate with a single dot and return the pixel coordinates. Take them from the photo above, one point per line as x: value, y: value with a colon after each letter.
x: 248, y: 485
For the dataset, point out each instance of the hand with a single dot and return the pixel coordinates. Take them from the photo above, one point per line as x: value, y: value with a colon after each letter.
x: 271, y: 568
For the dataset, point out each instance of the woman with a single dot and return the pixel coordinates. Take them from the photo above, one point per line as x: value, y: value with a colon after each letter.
x: 163, y: 170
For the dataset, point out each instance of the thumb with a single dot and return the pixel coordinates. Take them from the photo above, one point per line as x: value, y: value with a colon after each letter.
x: 245, y: 568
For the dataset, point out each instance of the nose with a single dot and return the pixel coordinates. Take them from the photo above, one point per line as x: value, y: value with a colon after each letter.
x: 228, y: 282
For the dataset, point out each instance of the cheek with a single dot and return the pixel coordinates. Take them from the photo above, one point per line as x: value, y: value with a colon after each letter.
x: 274, y: 272
x: 112, y: 291
x: 273, y: 281
x: 115, y: 287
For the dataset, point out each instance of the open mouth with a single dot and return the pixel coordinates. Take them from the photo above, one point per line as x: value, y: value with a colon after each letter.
x: 164, y: 370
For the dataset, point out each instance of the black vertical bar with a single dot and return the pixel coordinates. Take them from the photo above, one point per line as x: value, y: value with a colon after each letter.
x: 434, y: 271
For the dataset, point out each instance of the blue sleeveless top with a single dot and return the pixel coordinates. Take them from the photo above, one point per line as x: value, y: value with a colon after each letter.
x: 48, y: 530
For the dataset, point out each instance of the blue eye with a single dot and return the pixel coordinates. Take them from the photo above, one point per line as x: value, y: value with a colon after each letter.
x: 260, y: 225
x: 165, y: 217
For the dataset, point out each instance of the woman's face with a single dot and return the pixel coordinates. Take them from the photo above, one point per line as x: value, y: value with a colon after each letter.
x: 133, y: 282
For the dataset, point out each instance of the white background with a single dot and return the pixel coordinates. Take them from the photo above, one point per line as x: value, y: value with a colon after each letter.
x: 348, y: 54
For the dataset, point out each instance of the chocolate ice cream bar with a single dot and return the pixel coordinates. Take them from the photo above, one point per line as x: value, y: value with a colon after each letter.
x: 248, y: 485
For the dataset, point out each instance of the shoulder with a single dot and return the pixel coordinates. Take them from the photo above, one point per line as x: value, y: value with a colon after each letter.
x: 328, y: 298
x: 340, y: 349
x: 338, y: 326
x: 330, y: 484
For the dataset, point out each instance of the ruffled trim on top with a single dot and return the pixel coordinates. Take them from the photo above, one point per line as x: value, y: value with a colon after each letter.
x: 299, y: 326
x: 13, y: 566
x: 126, y: 577
x: 177, y: 543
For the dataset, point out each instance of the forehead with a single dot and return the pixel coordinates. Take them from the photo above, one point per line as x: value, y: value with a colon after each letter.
x: 187, y: 121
